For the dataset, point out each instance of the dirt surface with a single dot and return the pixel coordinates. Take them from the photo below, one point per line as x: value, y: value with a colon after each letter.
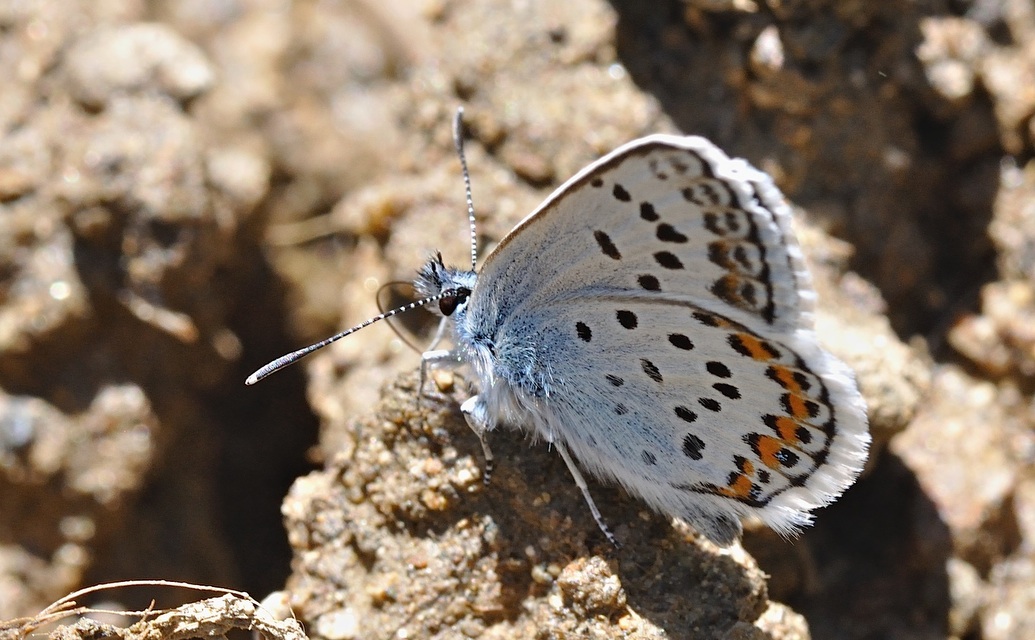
x: 189, y: 189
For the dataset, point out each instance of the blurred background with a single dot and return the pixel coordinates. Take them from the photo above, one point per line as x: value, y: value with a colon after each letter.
x: 189, y: 189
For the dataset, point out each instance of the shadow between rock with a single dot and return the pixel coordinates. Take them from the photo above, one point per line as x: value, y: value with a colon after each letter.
x: 848, y: 120
x: 873, y: 566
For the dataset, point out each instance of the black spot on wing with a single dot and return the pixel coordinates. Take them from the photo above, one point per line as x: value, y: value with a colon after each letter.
x: 686, y: 414
x: 786, y: 457
x: 651, y: 370
x: 668, y: 260
x: 648, y: 213
x: 649, y: 282
x: 668, y: 233
x: 727, y: 390
x: 711, y: 404
x: 718, y: 369
x: 606, y: 245
x: 680, y: 341
x: 627, y: 318
x: 583, y: 331
x: 693, y: 446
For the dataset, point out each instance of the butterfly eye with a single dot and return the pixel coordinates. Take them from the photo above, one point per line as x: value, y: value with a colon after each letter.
x: 448, y: 304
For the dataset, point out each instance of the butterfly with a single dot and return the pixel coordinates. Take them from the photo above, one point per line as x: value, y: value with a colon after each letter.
x: 652, y: 321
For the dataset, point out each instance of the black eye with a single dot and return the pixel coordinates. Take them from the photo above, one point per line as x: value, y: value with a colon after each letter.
x: 448, y: 304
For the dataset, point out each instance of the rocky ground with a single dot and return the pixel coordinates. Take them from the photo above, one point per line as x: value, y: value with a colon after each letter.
x: 189, y: 189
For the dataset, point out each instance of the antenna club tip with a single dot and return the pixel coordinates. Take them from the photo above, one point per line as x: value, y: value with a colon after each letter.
x: 252, y: 379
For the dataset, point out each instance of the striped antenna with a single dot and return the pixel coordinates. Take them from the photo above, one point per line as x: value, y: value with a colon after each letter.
x: 294, y: 356
x: 458, y: 142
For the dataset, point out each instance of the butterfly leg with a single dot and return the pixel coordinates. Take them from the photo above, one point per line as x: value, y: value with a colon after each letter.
x: 439, y: 334
x: 475, y: 412
x: 477, y: 416
x: 581, y: 482
x: 436, y: 358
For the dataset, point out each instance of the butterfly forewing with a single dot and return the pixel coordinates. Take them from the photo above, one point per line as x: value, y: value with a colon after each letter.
x: 662, y: 217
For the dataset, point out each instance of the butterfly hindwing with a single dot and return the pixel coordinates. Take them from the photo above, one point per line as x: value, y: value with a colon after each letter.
x: 698, y: 414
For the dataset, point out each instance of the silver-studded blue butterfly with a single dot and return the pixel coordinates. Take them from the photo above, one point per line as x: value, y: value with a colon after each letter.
x: 653, y: 321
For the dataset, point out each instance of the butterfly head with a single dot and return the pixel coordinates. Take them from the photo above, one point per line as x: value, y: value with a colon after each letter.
x: 453, y: 285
